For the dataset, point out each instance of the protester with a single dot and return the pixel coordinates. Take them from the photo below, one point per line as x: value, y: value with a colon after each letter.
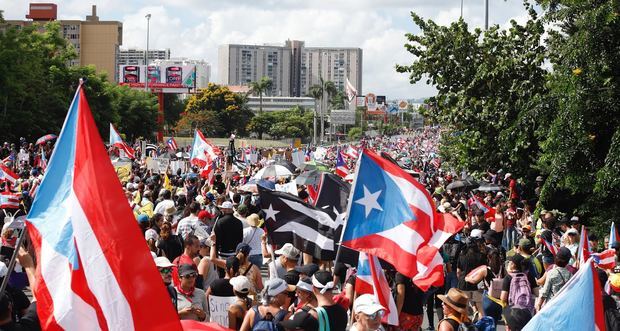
x: 252, y: 236
x: 454, y: 309
x: 236, y: 312
x: 191, y: 301
x: 272, y: 311
x: 556, y: 278
x: 328, y: 313
x: 229, y: 231
x: 287, y: 259
x: 368, y: 314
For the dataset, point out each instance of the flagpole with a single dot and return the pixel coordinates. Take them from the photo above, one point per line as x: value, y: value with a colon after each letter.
x: 349, y: 204
x: 11, y: 266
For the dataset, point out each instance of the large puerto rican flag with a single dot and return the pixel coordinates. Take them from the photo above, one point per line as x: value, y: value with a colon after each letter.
x: 584, y: 291
x: 392, y: 216
x: 371, y: 280
x: 117, y: 141
x: 203, y: 152
x: 94, y: 271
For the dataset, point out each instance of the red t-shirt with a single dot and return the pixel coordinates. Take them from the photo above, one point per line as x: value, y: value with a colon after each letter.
x: 513, y: 188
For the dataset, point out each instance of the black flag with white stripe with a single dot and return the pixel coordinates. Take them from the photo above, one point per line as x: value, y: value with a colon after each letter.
x: 290, y: 220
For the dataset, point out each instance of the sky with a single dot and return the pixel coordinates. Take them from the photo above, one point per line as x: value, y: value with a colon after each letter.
x: 195, y: 28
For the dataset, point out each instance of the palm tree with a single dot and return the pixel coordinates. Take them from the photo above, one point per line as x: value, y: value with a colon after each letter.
x: 318, y: 92
x: 260, y: 87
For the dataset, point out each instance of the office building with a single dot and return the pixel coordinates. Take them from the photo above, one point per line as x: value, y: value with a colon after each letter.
x: 280, y: 103
x: 137, y: 57
x: 293, y: 67
x: 96, y: 42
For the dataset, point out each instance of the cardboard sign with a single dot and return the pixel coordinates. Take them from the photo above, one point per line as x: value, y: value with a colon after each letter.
x: 218, y: 309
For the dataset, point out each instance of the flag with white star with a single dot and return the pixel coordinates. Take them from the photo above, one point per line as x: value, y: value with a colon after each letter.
x: 392, y: 216
x: 289, y: 219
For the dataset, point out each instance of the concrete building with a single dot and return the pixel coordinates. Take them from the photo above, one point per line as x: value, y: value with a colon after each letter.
x: 203, y: 69
x: 293, y: 68
x: 280, y: 103
x: 137, y: 57
x: 96, y: 42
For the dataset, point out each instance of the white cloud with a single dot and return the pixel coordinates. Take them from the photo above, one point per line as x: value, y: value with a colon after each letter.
x: 195, y: 28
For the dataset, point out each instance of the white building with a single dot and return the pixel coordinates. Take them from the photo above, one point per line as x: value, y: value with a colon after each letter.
x: 280, y: 103
x: 137, y: 57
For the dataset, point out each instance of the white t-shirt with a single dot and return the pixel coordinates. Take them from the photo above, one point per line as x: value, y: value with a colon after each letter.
x: 252, y: 236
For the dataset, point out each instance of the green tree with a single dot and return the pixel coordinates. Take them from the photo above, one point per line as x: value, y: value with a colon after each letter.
x: 491, y: 90
x: 136, y: 111
x: 581, y: 146
x: 261, y: 87
x: 322, y: 93
x: 173, y: 108
x: 228, y: 110
x: 260, y: 124
x: 355, y: 133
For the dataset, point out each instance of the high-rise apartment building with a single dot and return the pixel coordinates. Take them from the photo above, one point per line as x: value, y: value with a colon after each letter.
x: 137, y: 57
x: 293, y: 68
x: 96, y: 42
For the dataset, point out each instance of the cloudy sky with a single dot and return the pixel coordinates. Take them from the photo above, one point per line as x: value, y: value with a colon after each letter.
x: 195, y: 28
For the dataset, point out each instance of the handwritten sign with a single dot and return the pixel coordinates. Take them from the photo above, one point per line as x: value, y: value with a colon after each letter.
x: 218, y: 309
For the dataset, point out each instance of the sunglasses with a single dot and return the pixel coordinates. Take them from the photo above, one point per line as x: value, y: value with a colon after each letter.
x: 165, y: 270
x: 375, y: 315
x: 193, y: 275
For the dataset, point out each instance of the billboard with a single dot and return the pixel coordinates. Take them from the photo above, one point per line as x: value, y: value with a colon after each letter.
x: 381, y: 99
x: 371, y: 101
x: 161, y: 78
x: 403, y: 105
x: 340, y: 117
x: 360, y: 101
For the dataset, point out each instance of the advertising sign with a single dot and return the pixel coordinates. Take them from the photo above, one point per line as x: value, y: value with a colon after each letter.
x: 361, y: 101
x: 340, y: 117
x: 167, y: 78
x: 371, y: 101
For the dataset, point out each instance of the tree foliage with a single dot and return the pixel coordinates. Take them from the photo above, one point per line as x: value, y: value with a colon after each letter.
x: 217, y: 111
x: 511, y: 100
x: 37, y: 86
x: 292, y: 123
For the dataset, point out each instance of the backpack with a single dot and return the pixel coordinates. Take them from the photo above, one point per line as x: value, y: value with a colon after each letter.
x: 486, y: 323
x: 267, y: 322
x: 520, y: 294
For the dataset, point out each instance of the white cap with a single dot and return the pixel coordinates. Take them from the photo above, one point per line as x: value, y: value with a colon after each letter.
x: 289, y: 251
x: 507, y: 175
x: 3, y: 269
x: 476, y: 233
x: 367, y: 304
x: 241, y: 284
x: 163, y: 262
x: 572, y: 230
x: 226, y: 205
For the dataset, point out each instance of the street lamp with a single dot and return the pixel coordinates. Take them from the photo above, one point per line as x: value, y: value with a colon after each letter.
x: 146, y: 80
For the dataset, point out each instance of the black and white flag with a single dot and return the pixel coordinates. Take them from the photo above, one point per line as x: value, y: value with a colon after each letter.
x: 290, y: 220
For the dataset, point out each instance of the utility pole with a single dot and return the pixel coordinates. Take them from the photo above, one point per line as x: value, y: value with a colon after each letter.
x: 146, y: 80
x: 486, y: 14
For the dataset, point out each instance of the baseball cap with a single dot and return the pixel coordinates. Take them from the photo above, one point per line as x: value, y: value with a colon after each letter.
x: 301, y: 321
x: 226, y: 205
x: 289, y: 251
x: 143, y: 218
x: 186, y: 269
x: 507, y: 176
x: 241, y: 284
x: 516, y: 259
x: 564, y: 253
x: 162, y: 262
x: 572, y: 231
x: 307, y: 269
x: 276, y: 286
x: 367, y: 304
x: 476, y: 233
x: 525, y: 244
x: 203, y: 214
x: 526, y: 227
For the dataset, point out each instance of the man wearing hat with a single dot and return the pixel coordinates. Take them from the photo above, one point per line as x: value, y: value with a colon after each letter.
x: 287, y: 260
x: 229, y: 231
x: 454, y: 309
x: 525, y: 248
x: 368, y: 313
x: 252, y: 236
x: 555, y: 278
x: 328, y: 312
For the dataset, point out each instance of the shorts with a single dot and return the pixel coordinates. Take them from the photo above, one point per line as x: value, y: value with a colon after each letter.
x: 410, y: 322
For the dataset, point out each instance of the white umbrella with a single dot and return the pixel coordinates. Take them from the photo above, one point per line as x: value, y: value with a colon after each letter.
x: 273, y: 171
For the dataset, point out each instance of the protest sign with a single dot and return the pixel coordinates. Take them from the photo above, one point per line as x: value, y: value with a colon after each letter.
x: 218, y: 309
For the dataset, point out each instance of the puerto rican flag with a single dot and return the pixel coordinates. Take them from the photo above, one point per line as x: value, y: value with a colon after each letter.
x: 583, y: 290
x: 550, y: 247
x: 203, y: 151
x: 9, y: 200
x: 606, y: 259
x: 172, y: 144
x: 488, y: 211
x: 371, y: 280
x: 393, y: 217
x: 91, y: 273
x: 613, y: 235
x: 584, y: 246
x: 117, y: 141
x: 351, y: 152
x: 208, y: 172
x: 341, y: 167
x: 7, y: 175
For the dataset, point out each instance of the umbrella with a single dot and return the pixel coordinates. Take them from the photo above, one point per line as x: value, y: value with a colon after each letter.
x: 273, y: 171
x: 46, y: 138
x: 288, y: 165
x: 252, y: 185
x: 465, y: 184
x: 489, y: 187
x: 308, y: 177
x: 182, y: 155
x: 313, y: 165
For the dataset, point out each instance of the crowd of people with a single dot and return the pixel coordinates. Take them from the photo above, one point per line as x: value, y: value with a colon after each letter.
x: 208, y: 242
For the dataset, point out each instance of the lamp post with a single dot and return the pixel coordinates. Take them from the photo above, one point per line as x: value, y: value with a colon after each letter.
x: 146, y: 80
x: 486, y: 14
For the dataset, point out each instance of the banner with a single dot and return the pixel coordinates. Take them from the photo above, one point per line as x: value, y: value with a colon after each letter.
x: 218, y: 309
